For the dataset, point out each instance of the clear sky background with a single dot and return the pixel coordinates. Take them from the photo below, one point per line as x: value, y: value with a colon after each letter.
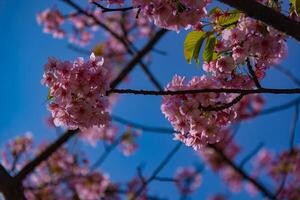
x: 23, y: 52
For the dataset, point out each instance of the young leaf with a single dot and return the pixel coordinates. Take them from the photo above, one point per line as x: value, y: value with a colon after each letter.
x: 229, y: 18
x: 49, y: 96
x: 296, y: 5
x: 192, y: 45
x: 208, y: 53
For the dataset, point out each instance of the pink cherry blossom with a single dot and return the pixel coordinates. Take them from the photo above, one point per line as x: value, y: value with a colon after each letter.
x: 195, y: 126
x: 188, y: 180
x: 77, y: 92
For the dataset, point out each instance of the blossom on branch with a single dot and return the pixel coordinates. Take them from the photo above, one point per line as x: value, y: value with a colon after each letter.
x: 77, y: 92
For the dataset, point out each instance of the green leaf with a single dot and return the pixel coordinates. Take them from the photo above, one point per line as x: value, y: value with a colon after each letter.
x: 208, y: 53
x: 229, y: 19
x: 296, y: 5
x: 192, y: 45
x: 214, y: 11
x: 49, y: 96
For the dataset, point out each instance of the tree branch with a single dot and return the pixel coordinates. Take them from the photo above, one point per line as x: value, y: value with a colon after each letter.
x: 253, y: 75
x: 157, y: 170
x: 121, y: 120
x: 206, y: 90
x: 267, y: 15
x: 294, y: 126
x: 257, y: 184
x: 44, y: 155
x: 138, y: 57
x: 105, y: 9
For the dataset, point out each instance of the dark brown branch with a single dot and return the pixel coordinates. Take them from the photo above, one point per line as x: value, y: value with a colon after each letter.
x: 294, y: 126
x: 152, y: 78
x: 105, y: 9
x: 245, y: 176
x: 258, y: 185
x: 157, y: 170
x: 121, y: 120
x: 206, y: 90
x: 267, y: 15
x: 165, y: 179
x: 9, y: 187
x: 44, y: 155
x: 253, y: 75
x: 288, y: 74
x: 125, y: 43
x: 251, y: 155
x: 280, y: 107
x: 138, y: 57
x: 106, y: 153
x: 222, y: 106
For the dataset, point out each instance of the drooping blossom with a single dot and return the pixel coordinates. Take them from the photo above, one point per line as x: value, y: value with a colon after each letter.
x: 77, y: 92
x: 187, y: 180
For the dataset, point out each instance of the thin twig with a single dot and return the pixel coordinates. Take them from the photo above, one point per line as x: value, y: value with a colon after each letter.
x: 247, y: 177
x: 288, y: 74
x: 294, y: 126
x: 280, y: 107
x: 44, y: 155
x: 157, y: 170
x: 106, y: 153
x: 253, y: 75
x: 121, y: 120
x: 105, y: 9
x: 251, y: 155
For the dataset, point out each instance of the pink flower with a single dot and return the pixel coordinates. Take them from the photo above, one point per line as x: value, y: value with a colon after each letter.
x: 52, y: 20
x: 195, y: 126
x: 188, y: 180
x: 128, y: 144
x: 77, y: 92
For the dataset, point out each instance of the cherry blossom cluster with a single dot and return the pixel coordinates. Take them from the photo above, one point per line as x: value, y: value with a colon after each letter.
x: 191, y: 115
x: 249, y: 41
x: 52, y: 20
x: 128, y: 143
x: 230, y: 149
x: 77, y: 92
x: 17, y: 152
x: 187, y: 180
x: 84, y: 26
x: 63, y: 175
x: 94, y: 134
x: 173, y: 15
x: 282, y: 167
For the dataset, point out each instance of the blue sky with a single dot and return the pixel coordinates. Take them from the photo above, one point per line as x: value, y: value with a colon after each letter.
x: 25, y: 49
